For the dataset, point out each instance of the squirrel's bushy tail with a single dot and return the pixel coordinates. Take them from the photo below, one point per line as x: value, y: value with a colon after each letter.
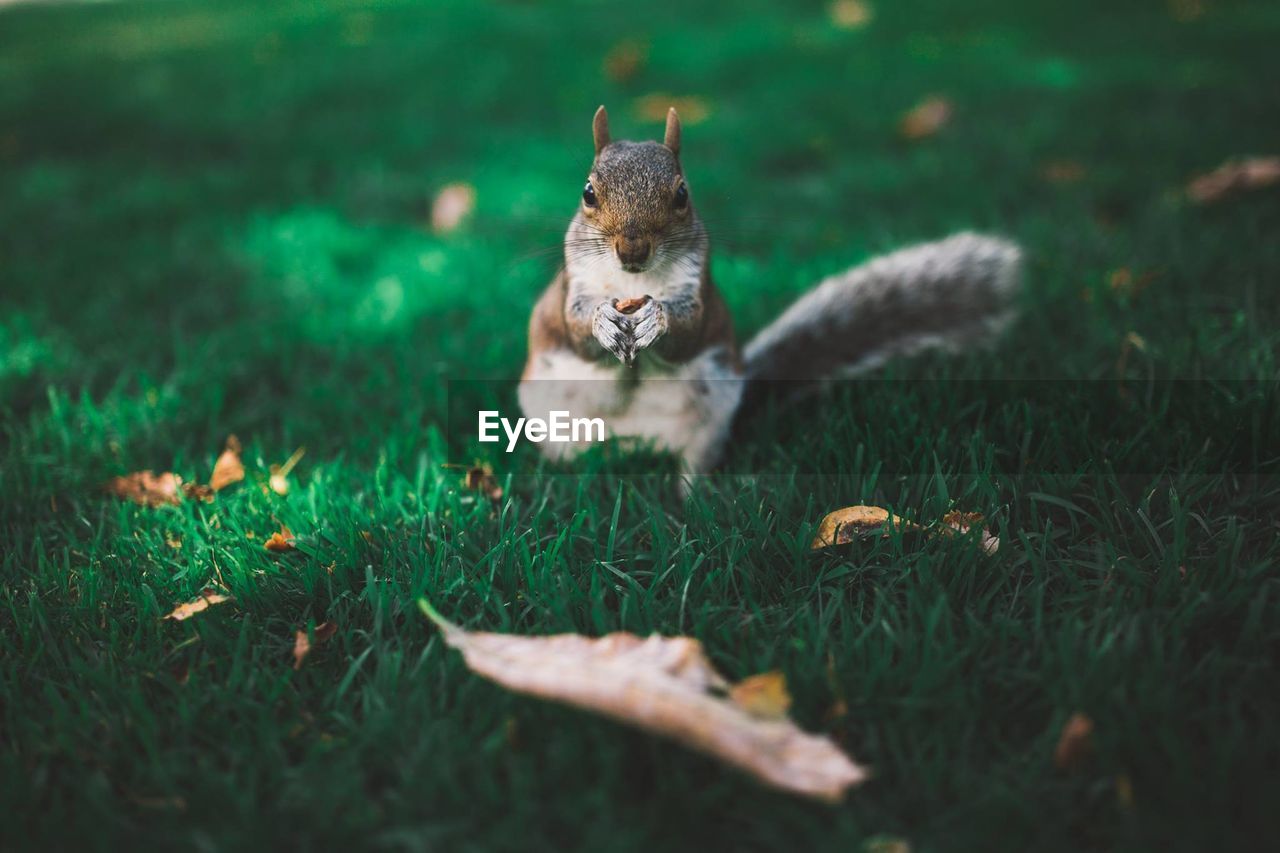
x: 950, y: 294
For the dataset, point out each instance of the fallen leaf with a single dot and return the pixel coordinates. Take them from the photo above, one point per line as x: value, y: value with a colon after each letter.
x: 207, y: 599
x: 854, y: 522
x: 302, y: 644
x: 452, y: 205
x: 1063, y: 172
x: 1075, y: 744
x: 279, y: 481
x: 197, y: 492
x: 146, y: 488
x: 280, y: 541
x: 664, y: 685
x: 764, y: 695
x: 692, y: 109
x: 1235, y: 176
x: 228, y: 469
x: 857, y: 522
x: 926, y: 118
x: 625, y: 60
x: 963, y: 522
x: 632, y: 305
x: 480, y: 478
x: 850, y: 14
x: 174, y: 542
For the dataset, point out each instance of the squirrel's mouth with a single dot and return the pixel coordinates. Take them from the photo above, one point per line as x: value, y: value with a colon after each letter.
x: 633, y: 268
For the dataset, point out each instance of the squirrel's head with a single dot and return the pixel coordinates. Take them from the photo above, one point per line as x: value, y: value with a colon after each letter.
x: 636, y: 201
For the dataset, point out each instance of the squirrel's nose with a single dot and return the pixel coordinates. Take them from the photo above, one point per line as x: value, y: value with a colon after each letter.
x: 633, y: 252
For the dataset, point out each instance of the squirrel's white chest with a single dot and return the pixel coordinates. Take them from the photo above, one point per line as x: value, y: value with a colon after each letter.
x: 686, y: 408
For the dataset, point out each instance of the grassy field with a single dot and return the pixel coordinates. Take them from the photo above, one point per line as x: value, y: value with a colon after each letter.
x: 213, y: 220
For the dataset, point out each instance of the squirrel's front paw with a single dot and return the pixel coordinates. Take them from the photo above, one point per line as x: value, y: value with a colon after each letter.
x: 612, y: 329
x: 650, y: 323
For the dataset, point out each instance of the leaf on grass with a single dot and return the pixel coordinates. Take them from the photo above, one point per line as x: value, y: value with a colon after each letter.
x: 625, y: 60
x: 1124, y: 282
x: 147, y: 488
x: 1075, y: 744
x: 1235, y: 176
x: 279, y: 481
x: 850, y: 14
x: 480, y: 478
x: 858, y: 522
x: 197, y: 492
x: 886, y: 844
x: 691, y: 108
x: 452, y: 205
x: 228, y: 469
x: 280, y: 541
x: 855, y: 522
x: 963, y: 522
x: 926, y: 118
x: 302, y: 644
x: 207, y: 599
x: 663, y: 685
x: 764, y: 695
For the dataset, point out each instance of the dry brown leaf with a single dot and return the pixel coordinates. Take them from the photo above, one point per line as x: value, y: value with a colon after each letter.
x: 631, y: 305
x: 963, y: 522
x: 850, y: 14
x: 663, y: 685
x: 207, y: 599
x: 480, y: 478
x: 302, y: 644
x: 764, y: 695
x: 1235, y: 176
x: 1125, y: 282
x: 280, y: 541
x: 146, y: 488
x: 279, y: 481
x: 174, y: 542
x: 452, y: 205
x: 1075, y: 744
x: 854, y: 522
x: 228, y: 469
x: 926, y: 118
x: 197, y: 492
x: 625, y: 60
x: 692, y: 109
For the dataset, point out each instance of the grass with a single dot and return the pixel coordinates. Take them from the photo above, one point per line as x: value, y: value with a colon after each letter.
x: 212, y: 222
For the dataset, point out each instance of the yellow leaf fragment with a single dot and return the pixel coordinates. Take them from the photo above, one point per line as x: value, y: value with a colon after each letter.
x: 207, y: 599
x: 280, y: 541
x: 854, y: 522
x: 764, y: 695
x: 663, y: 685
x: 146, y: 488
x: 279, y: 481
x: 926, y: 118
x: 452, y: 205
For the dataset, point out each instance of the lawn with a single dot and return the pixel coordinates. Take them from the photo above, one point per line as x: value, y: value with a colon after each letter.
x: 215, y: 219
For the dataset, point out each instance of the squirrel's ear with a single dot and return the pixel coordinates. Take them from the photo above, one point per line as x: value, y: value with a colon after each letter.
x: 600, y: 129
x: 672, y: 138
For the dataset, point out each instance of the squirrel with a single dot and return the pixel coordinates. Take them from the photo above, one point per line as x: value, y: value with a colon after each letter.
x: 670, y: 371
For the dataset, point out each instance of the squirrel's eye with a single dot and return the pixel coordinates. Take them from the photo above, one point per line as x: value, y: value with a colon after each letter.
x: 682, y: 197
x: 589, y: 195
